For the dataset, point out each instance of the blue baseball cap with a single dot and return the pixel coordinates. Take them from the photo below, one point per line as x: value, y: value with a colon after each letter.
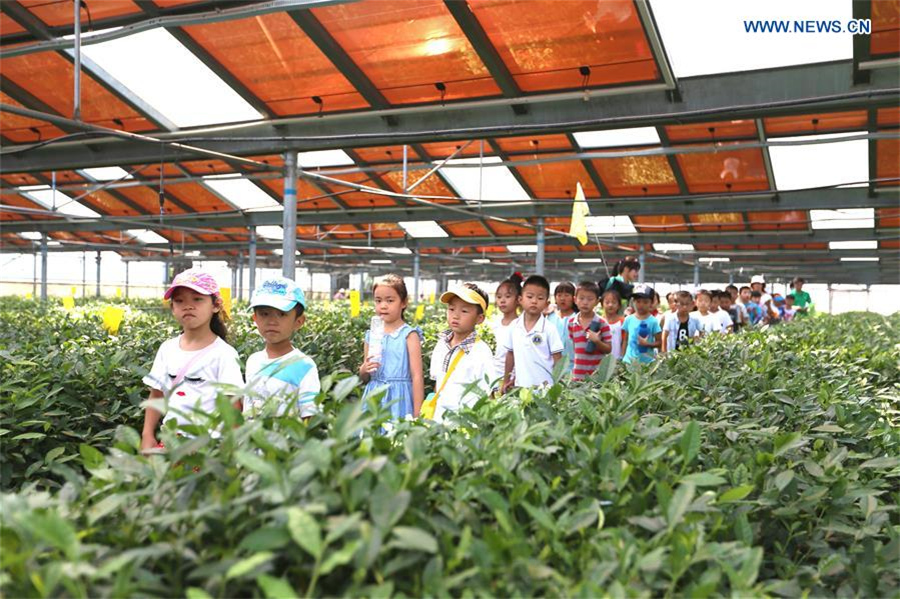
x: 280, y: 293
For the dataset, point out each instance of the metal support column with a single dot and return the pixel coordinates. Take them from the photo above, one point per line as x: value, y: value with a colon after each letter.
x: 127, y: 264
x: 416, y: 276
x: 240, y: 276
x: 233, y: 280
x: 76, y: 97
x: 98, y: 272
x: 539, y: 258
x: 83, y: 274
x: 34, y: 274
x: 642, y: 273
x: 289, y: 243
x: 830, y: 297
x: 696, y: 272
x: 731, y: 278
x: 251, y: 262
x: 165, y: 272
x: 43, y: 267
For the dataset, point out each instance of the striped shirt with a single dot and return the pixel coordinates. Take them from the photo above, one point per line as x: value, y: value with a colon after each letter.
x: 586, y: 363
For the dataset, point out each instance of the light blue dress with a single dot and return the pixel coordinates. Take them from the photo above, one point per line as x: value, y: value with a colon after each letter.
x: 393, y: 372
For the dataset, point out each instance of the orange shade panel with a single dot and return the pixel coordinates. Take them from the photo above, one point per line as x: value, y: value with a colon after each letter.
x: 717, y: 131
x: 544, y: 43
x: 442, y: 149
x: 472, y: 228
x: 888, y: 161
x: 724, y: 170
x: 389, y: 154
x: 888, y: 117
x: 276, y: 61
x: 816, y: 123
x: 21, y: 129
x: 556, y: 180
x: 405, y: 48
x: 433, y: 186
x: 888, y: 218
x: 659, y: 223
x: 777, y: 220
x: 59, y: 12
x: 198, y: 197
x: 718, y: 221
x: 637, y: 175
x: 885, y: 38
x: 504, y: 228
x: 533, y: 144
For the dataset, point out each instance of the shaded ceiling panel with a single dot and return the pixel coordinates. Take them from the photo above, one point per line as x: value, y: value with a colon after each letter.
x: 888, y: 218
x: 491, y: 249
x: 888, y: 117
x: 359, y: 199
x: 12, y: 199
x: 534, y: 144
x: 20, y: 179
x: 276, y: 61
x: 893, y: 244
x: 885, y: 38
x: 472, y: 228
x: 57, y: 13
x: 717, y: 131
x: 724, y: 170
x: 442, y: 149
x: 662, y: 223
x: 405, y: 48
x: 556, y: 180
x: 805, y: 246
x: 148, y: 199
x: 198, y: 197
x: 305, y: 194
x: 544, y: 43
x: 390, y: 154
x: 502, y: 228
x: 888, y: 166
x: 718, y: 221
x: 8, y: 25
x: 816, y: 123
x: 55, y: 88
x: 109, y: 204
x: 637, y: 175
x: 208, y: 167
x: 21, y: 129
x: 432, y: 186
x: 786, y: 219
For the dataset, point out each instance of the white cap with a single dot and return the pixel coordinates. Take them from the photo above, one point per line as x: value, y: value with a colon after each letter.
x: 758, y: 279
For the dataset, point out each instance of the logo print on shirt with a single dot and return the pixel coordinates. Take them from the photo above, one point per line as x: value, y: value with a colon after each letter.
x: 537, y: 339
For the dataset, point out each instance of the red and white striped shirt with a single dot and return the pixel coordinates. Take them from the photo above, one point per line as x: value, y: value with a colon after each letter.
x: 586, y: 363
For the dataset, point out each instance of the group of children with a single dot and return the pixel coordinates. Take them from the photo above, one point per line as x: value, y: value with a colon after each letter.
x: 531, y: 337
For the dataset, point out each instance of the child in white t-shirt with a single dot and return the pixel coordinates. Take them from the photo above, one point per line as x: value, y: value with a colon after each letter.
x: 532, y: 344
x: 280, y: 370
x: 461, y: 363
x: 507, y: 302
x: 612, y: 314
x: 189, y: 369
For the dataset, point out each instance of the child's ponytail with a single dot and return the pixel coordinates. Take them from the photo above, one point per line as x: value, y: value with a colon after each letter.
x: 217, y: 323
x: 514, y: 282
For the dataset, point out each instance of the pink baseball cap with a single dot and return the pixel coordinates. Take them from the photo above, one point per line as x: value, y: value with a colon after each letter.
x: 196, y: 279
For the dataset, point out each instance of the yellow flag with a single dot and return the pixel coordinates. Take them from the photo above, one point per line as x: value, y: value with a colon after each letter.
x: 69, y: 303
x: 431, y: 299
x: 580, y: 210
x: 28, y: 295
x: 112, y: 318
x: 225, y: 292
x: 420, y: 312
x: 118, y: 292
x: 354, y: 303
x: 74, y: 291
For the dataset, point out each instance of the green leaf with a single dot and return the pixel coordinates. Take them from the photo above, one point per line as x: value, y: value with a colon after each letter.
x: 787, y: 441
x: 107, y: 505
x: 256, y: 464
x: 679, y: 503
x: 742, y: 530
x: 813, y: 468
x: 54, y: 453
x: 267, y: 538
x: 828, y: 428
x: 91, y: 457
x: 735, y: 494
x: 783, y: 479
x: 653, y: 561
x: 704, y: 479
x: 339, y: 558
x: 52, y: 529
x: 414, y: 539
x: 305, y: 531
x: 249, y: 564
x: 276, y: 588
x: 690, y: 442
x: 884, y: 463
x: 28, y: 437
x: 197, y: 593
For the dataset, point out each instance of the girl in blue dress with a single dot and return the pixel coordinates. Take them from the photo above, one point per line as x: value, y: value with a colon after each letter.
x: 399, y: 368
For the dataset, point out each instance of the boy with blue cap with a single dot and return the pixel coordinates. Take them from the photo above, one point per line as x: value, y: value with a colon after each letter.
x: 280, y: 369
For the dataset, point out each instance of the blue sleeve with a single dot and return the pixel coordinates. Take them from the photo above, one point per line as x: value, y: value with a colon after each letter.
x: 656, y: 329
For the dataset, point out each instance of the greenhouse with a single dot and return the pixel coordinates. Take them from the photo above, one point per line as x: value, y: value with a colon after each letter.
x: 449, y: 297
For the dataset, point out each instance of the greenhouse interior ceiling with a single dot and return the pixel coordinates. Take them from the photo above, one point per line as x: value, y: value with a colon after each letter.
x: 446, y: 137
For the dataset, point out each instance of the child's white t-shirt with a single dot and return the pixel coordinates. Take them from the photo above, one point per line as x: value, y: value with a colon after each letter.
x: 533, y: 351
x: 213, y: 365
x: 292, y: 375
x: 616, y: 331
x: 709, y: 322
x: 725, y: 320
x: 500, y: 331
x: 474, y: 367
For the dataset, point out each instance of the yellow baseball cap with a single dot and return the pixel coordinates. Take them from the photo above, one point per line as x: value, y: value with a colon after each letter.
x: 470, y: 296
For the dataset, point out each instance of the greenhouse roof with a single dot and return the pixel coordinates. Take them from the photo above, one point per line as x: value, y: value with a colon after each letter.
x: 784, y: 162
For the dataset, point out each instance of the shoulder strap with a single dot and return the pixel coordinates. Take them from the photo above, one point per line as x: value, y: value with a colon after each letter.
x: 181, y: 373
x: 453, y: 364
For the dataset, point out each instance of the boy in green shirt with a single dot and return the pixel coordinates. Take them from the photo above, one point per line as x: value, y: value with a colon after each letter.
x: 802, y: 300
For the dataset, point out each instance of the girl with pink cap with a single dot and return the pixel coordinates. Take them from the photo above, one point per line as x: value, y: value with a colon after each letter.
x: 188, y: 369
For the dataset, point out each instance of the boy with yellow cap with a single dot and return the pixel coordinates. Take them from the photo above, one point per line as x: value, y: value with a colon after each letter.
x: 462, y: 364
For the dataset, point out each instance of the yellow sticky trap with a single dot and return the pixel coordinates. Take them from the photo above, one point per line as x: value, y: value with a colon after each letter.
x: 112, y: 318
x: 225, y: 292
x: 118, y: 292
x: 69, y: 303
x: 28, y: 295
x: 354, y: 303
x: 431, y: 299
x: 420, y: 312
x: 489, y: 311
x: 74, y: 291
